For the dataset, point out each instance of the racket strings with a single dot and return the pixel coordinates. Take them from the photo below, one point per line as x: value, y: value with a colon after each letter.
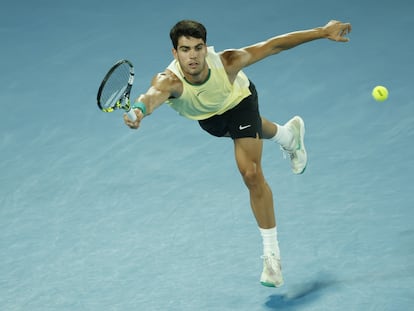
x: 115, y: 86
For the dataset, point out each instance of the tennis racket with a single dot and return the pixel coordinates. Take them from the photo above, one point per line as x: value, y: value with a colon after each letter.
x: 115, y: 88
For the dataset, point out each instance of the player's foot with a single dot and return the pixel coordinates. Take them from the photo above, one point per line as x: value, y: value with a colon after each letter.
x: 297, y: 151
x: 272, y: 271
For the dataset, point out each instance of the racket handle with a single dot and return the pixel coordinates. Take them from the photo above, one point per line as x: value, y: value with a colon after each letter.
x: 131, y: 115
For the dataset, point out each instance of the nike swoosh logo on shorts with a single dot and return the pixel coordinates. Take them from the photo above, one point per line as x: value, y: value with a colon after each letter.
x: 241, y: 127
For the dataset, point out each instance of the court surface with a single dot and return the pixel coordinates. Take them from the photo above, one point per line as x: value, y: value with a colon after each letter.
x: 95, y: 216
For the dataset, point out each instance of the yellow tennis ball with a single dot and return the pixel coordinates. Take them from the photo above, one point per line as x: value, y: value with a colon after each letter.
x: 380, y: 93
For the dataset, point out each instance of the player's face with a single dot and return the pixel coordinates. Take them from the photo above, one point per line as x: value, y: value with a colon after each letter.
x: 191, y: 54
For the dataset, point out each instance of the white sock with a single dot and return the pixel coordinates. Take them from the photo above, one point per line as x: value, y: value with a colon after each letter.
x: 283, y: 136
x: 270, y: 243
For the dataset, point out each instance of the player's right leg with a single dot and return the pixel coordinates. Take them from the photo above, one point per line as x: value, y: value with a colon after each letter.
x: 248, y: 153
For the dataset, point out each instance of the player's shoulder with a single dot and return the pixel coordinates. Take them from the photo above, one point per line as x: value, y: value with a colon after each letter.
x: 167, y: 81
x: 228, y: 54
x: 233, y: 58
x: 166, y: 77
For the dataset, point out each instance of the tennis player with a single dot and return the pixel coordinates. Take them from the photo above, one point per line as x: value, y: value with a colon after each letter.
x: 210, y: 87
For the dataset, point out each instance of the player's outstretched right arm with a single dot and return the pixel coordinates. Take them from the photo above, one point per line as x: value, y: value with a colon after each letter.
x: 163, y: 86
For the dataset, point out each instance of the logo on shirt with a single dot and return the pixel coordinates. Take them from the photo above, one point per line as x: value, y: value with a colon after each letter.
x: 199, y: 92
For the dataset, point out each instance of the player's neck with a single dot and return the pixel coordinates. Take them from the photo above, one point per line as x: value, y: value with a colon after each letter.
x: 199, y: 78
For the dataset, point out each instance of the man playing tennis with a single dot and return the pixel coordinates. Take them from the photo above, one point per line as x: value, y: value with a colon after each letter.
x: 210, y: 87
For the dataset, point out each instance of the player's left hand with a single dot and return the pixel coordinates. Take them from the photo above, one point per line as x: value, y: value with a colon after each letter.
x: 337, y: 31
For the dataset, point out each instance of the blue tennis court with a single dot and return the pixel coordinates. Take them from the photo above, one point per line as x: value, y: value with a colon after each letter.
x: 95, y: 216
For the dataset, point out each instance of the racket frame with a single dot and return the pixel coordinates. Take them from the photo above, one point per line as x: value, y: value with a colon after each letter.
x: 123, y: 102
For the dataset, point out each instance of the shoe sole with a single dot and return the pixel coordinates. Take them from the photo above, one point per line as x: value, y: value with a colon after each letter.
x: 271, y: 284
x: 302, y: 141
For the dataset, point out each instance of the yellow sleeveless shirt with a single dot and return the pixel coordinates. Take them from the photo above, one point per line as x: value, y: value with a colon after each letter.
x: 213, y: 97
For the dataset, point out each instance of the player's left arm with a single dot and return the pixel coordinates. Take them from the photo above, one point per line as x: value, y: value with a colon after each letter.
x: 235, y: 60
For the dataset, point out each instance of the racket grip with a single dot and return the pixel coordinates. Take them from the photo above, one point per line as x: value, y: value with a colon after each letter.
x: 131, y: 115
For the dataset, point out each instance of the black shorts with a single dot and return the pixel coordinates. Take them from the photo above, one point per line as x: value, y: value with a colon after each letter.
x: 239, y: 122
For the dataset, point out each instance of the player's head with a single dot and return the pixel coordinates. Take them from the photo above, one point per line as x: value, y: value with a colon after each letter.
x: 187, y: 28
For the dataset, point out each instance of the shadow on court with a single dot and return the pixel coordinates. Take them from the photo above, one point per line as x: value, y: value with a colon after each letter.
x: 301, y: 294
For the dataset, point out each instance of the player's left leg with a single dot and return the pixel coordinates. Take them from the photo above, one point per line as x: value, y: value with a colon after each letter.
x: 248, y: 152
x: 291, y: 137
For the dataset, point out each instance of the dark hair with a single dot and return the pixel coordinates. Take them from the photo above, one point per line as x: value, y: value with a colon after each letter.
x: 187, y: 28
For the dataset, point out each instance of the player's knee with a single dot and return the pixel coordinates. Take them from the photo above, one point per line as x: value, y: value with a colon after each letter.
x: 252, y: 177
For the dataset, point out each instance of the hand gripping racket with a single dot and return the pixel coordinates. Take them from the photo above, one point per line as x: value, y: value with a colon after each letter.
x: 116, y: 87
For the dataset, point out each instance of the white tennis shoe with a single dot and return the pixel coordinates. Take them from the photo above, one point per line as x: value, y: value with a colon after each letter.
x: 272, y: 271
x: 296, y: 151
